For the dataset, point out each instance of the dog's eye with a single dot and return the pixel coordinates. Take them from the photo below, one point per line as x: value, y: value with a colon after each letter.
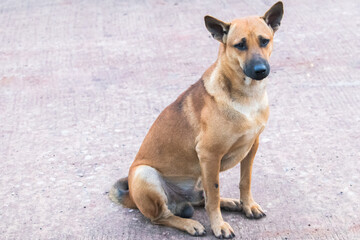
x: 241, y: 46
x: 264, y: 42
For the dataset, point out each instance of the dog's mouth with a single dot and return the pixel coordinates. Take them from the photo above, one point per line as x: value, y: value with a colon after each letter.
x: 257, y: 69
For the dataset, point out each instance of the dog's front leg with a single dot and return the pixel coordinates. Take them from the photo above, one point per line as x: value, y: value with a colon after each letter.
x: 210, y: 168
x: 249, y: 206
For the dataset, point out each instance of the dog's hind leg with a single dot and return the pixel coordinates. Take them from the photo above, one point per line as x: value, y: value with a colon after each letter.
x: 227, y: 204
x: 146, y: 190
x: 230, y: 204
x: 190, y: 226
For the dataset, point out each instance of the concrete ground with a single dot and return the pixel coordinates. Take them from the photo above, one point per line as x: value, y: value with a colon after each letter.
x: 82, y: 81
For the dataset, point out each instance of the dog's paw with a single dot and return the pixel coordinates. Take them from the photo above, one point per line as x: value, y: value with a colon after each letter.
x: 252, y: 210
x: 230, y: 204
x: 194, y: 228
x: 223, y: 230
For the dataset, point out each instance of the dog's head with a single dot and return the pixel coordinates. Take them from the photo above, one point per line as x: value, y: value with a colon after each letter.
x: 248, y: 41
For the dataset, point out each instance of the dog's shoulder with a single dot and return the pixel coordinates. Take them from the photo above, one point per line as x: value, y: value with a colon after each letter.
x: 194, y: 95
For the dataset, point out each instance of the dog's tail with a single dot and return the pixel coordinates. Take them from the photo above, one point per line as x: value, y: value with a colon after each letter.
x: 119, y: 193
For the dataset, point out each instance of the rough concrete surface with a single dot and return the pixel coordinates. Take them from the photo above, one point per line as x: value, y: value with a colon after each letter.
x: 82, y: 81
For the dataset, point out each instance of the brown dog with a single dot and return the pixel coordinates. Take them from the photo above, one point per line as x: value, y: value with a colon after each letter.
x: 211, y: 127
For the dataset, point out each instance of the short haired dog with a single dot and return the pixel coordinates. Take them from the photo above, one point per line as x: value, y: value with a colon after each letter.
x: 211, y: 127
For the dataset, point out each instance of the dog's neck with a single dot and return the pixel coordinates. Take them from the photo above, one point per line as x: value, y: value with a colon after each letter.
x: 221, y: 78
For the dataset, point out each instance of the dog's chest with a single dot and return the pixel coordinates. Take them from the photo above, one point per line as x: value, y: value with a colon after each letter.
x: 250, y: 109
x: 250, y: 122
x: 241, y: 147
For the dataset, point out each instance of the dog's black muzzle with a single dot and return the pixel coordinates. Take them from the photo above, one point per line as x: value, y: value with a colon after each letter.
x: 257, y: 68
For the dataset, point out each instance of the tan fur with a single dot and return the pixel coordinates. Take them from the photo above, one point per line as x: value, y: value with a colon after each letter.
x: 211, y: 127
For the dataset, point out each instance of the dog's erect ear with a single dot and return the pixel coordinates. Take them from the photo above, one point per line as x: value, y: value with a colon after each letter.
x: 274, y: 15
x: 217, y: 28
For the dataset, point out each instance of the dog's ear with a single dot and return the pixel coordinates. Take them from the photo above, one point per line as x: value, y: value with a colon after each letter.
x: 217, y: 28
x: 274, y: 15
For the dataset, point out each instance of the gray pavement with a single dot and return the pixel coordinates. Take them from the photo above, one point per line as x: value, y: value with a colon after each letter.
x: 82, y: 81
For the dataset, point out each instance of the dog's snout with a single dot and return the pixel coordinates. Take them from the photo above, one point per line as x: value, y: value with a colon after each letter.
x: 260, y: 69
x: 257, y: 68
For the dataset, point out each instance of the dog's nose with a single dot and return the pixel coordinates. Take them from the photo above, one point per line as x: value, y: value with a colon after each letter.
x: 257, y: 68
x: 260, y: 69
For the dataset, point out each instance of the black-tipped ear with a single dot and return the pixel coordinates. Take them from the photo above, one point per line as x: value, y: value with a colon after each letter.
x: 217, y: 28
x: 274, y: 15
